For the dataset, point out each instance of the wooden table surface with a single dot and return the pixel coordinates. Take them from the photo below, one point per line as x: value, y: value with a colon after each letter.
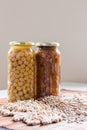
x: 7, y: 123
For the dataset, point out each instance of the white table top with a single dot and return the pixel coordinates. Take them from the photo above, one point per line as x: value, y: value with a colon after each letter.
x: 67, y: 86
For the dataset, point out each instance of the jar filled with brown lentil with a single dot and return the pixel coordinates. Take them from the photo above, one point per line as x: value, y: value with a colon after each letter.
x: 47, y: 69
x: 21, y: 71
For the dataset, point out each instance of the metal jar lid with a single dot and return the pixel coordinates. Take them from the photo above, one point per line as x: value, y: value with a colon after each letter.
x: 16, y: 43
x: 47, y: 44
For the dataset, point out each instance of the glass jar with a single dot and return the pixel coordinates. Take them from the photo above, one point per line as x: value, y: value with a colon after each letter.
x: 47, y: 69
x: 21, y: 71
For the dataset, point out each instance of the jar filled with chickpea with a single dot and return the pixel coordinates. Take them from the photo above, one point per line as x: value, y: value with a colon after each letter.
x: 21, y: 71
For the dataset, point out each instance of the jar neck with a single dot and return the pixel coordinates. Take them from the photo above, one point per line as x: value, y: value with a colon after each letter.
x: 53, y: 48
x: 21, y: 47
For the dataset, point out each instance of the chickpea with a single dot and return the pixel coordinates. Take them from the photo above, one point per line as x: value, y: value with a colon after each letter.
x: 24, y: 91
x: 18, y: 67
x: 26, y: 96
x: 26, y: 73
x: 15, y: 91
x: 22, y: 66
x: 23, y: 59
x: 18, y: 88
x: 16, y: 72
x: 11, y: 78
x: 28, y: 58
x: 21, y: 79
x: 28, y: 81
x: 22, y: 97
x: 20, y: 83
x: 20, y: 93
x: 15, y: 64
x: 21, y: 75
x: 13, y: 98
x: 19, y: 62
x: 16, y: 75
x: 28, y: 86
x: 18, y: 97
x: 27, y: 69
x: 13, y: 69
x: 22, y: 70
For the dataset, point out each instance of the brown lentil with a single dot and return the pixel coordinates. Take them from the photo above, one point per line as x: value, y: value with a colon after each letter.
x: 47, y: 70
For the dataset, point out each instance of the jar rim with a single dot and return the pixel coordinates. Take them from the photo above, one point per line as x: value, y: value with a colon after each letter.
x: 47, y: 44
x: 17, y: 43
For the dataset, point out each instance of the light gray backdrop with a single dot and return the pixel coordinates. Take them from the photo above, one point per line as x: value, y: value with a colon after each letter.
x: 64, y: 21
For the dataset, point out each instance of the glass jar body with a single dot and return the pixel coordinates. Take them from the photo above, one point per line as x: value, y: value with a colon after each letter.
x: 47, y: 71
x: 21, y: 73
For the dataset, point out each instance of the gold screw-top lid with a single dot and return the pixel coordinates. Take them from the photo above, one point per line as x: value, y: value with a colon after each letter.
x: 47, y: 44
x: 16, y: 43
